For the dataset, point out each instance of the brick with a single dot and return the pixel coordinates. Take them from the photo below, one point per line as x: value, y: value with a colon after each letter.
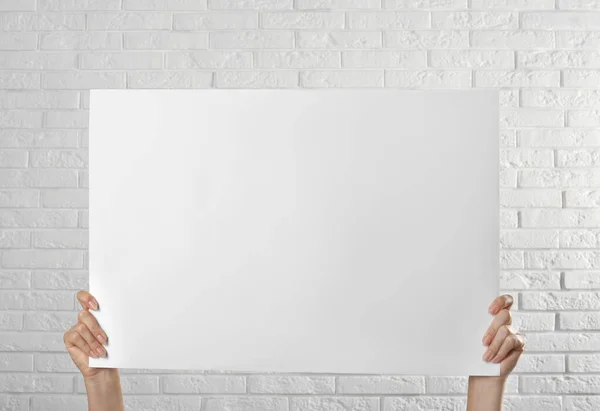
x: 581, y: 78
x: 384, y: 59
x: 334, y: 403
x: 581, y: 40
x: 508, y: 178
x: 83, y: 80
x: 42, y: 259
x: 560, y: 98
x: 512, y: 40
x: 531, y: 117
x: 46, y: 138
x: 18, y: 41
x: 12, y: 5
x: 534, y: 321
x: 474, y: 20
x: 54, y: 362
x: 567, y: 259
x: 426, y: 39
x: 65, y: 198
x: 579, y: 321
x: 130, y: 384
x: 511, y: 260
x: 11, y: 321
x: 209, y: 59
x: 447, y: 385
x: 472, y: 59
x: 388, y: 20
x: 581, y: 403
x: 55, y: 403
x: 13, y: 158
x: 532, y: 403
x: 529, y: 239
x: 35, y: 300
x: 584, y: 363
x: 61, y: 158
x: 36, y: 218
x: 78, y: 5
x: 528, y: 198
x: 80, y: 41
x: 15, y: 279
x: 121, y: 61
x: 298, y: 59
x: 513, y: 4
x: 578, y: 4
x: 60, y: 280
x: 516, y: 78
x: 565, y: 300
x: 14, y: 239
x: 581, y: 279
x: 583, y: 118
x: 167, y: 5
x: 292, y: 384
x: 434, y: 79
x: 339, y: 39
x: 49, y: 321
x: 583, y: 238
x: 560, y: 20
x: 566, y: 218
x: 509, y: 98
x: 36, y: 383
x: 204, y: 384
x: 42, y: 99
x: 563, y: 342
x: 582, y: 198
x: 380, y: 385
x: 425, y: 4
x: 424, y: 403
x: 129, y: 21
x: 63, y: 119
x: 163, y: 41
x: 169, y: 79
x: 242, y: 39
x: 257, y: 79
x: 37, y: 178
x: 337, y: 4
x: 530, y: 280
x: 522, y: 157
x: 77, y: 239
x: 558, y: 59
x: 251, y: 4
x: 559, y: 137
x: 540, y: 363
x: 31, y: 341
x: 163, y: 402
x: 559, y: 178
x: 560, y: 384
x: 216, y: 21
x: 14, y: 403
x: 42, y: 22
x: 345, y: 78
x: 508, y: 138
x: 252, y: 403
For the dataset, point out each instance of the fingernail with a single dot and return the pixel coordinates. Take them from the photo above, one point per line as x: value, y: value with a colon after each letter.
x: 509, y: 299
x: 495, y: 359
x: 92, y: 354
x: 93, y: 304
x: 486, y: 341
x: 101, y: 338
x: 100, y: 352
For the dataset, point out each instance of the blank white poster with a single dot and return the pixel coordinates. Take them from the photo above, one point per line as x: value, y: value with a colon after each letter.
x: 326, y: 231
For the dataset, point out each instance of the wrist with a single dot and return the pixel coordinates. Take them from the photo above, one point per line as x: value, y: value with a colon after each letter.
x: 105, y: 378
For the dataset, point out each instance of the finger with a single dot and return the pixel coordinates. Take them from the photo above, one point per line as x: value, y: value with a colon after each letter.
x: 503, y: 302
x: 512, y: 342
x: 92, y: 324
x: 503, y: 332
x: 96, y: 349
x: 500, y: 319
x: 87, y: 300
x: 74, y: 339
x: 507, y: 365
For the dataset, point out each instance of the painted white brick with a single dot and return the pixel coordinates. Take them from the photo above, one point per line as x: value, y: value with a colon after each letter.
x: 36, y: 383
x: 581, y: 403
x: 563, y: 342
x: 42, y: 259
x: 298, y: 59
x: 383, y: 59
x: 582, y: 198
x: 539, y: 363
x: 46, y: 138
x: 123, y: 61
x: 37, y: 178
x: 560, y: 98
x: 62, y: 158
x: 152, y: 5
x: 129, y: 21
x: 534, y: 321
x: 585, y: 40
x: 474, y: 20
x: 61, y: 239
x: 14, y: 403
x: 424, y: 403
x: 513, y: 40
x: 434, y: 79
x: 12, y: 5
x: 49, y: 321
x: 566, y: 259
x: 83, y: 80
x: 426, y: 39
x: 516, y: 78
x: 560, y: 384
x: 560, y: 20
x: 559, y: 178
x: 241, y: 39
x: 472, y: 59
x: 380, y: 385
x: 529, y: 239
x: 169, y: 79
x: 578, y: 4
x: 16, y: 362
x: 257, y: 79
x: 512, y: 260
x: 21, y: 119
x: 585, y: 363
x: 581, y: 279
x: 163, y: 41
x: 251, y: 4
x: 18, y: 41
x: 59, y: 280
x: 346, y: 78
x: 522, y: 157
x: 36, y: 218
x: 13, y: 158
x: 337, y: 4
x: 209, y: 59
x: 530, y: 280
x: 18, y: 198
x: 64, y: 119
x: 15, y: 279
x: 35, y: 300
x: 558, y: 59
x: 581, y: 78
x: 204, y: 384
x: 558, y: 137
x: 513, y: 4
x: 531, y: 117
x: 31, y: 341
x: 59, y: 403
x: 80, y: 41
x: 513, y: 403
x: 508, y: 177
x: 14, y: 239
x: 11, y: 320
x: 42, y: 22
x: 215, y: 21
x: 579, y: 238
x: 447, y: 385
x: 583, y: 118
x: 334, y: 403
x: 78, y: 5
x: 252, y: 403
x: 388, y: 20
x: 425, y: 4
x: 579, y: 321
x: 561, y: 218
x: 292, y: 384
x: 339, y: 39
x: 530, y: 198
x: 565, y: 300
x: 54, y: 362
x: 163, y: 402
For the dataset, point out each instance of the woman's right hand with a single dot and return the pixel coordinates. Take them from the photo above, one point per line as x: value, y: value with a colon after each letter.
x: 85, y: 339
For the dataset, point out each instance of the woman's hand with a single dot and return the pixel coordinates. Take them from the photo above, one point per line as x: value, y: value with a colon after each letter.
x: 85, y: 339
x: 505, y: 344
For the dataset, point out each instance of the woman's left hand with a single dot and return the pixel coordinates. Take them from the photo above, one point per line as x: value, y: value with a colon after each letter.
x: 505, y: 344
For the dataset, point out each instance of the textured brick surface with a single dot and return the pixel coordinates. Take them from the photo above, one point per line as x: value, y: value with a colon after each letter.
x: 542, y: 55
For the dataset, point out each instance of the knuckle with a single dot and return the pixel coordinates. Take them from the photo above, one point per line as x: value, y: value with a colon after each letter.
x: 82, y: 315
x: 81, y: 327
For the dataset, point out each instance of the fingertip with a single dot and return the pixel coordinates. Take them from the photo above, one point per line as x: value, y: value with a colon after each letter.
x: 92, y: 304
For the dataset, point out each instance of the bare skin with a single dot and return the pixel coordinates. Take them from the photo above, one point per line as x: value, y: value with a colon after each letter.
x: 103, y: 385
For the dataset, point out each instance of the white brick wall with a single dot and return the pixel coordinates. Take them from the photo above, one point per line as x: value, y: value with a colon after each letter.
x: 544, y: 56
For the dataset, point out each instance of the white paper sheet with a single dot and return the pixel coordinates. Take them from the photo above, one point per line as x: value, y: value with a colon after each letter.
x: 330, y: 231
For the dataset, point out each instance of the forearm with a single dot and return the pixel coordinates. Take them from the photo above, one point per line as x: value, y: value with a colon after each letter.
x: 485, y: 393
x: 104, y: 392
